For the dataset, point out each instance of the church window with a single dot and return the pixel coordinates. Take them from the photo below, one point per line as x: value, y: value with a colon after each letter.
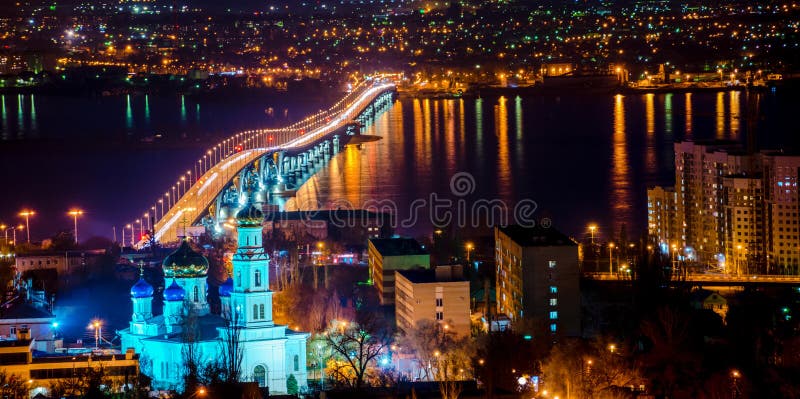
x: 296, y: 363
x: 261, y: 312
x: 258, y: 278
x: 196, y: 294
x: 255, y: 311
x: 238, y: 279
x: 260, y: 375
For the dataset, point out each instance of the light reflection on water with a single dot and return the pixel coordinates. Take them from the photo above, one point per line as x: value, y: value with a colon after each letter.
x: 579, y: 159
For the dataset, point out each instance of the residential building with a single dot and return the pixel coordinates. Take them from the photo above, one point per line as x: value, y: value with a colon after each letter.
x: 42, y: 370
x: 782, y: 207
x: 733, y: 210
x: 662, y: 223
x: 743, y: 223
x: 440, y: 294
x: 387, y: 255
x: 538, y: 278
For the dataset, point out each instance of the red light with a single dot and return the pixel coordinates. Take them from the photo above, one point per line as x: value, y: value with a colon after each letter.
x: 270, y: 138
x: 301, y: 131
x: 238, y: 148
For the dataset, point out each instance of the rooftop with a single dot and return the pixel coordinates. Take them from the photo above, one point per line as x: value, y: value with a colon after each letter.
x: 536, y: 236
x: 398, y: 246
x: 21, y: 309
x: 422, y: 276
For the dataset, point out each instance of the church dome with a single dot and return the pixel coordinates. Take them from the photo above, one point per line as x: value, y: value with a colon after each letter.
x: 250, y: 216
x: 226, y: 288
x: 141, y: 289
x: 174, y: 292
x: 185, y: 262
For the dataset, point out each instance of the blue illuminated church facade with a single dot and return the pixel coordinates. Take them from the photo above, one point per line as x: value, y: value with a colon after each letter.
x: 271, y: 353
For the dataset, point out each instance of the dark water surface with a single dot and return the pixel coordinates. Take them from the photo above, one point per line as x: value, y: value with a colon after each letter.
x: 579, y: 158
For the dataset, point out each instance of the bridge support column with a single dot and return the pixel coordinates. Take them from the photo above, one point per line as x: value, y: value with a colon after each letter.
x: 335, y: 143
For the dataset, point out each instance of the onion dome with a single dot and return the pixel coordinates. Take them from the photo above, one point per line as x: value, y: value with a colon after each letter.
x: 174, y: 292
x: 141, y: 289
x: 226, y: 288
x: 250, y: 216
x: 185, y: 262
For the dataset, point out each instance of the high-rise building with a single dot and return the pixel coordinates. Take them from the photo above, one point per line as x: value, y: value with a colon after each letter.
x: 699, y: 171
x: 781, y: 174
x: 743, y: 221
x: 734, y: 210
x: 662, y: 222
x: 538, y: 278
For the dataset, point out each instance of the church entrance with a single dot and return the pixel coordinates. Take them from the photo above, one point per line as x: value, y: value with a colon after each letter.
x: 260, y: 376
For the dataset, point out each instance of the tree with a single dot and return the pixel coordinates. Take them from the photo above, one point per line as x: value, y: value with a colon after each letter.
x: 596, y: 369
x: 232, y: 351
x: 291, y: 385
x: 12, y: 385
x: 190, y: 353
x: 356, y: 346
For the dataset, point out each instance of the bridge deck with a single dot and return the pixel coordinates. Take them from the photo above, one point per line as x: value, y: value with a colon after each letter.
x: 201, y: 194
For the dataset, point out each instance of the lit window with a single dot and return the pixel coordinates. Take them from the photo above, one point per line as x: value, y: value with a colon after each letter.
x: 551, y: 264
x: 553, y: 289
x: 553, y: 315
x: 553, y: 327
x: 553, y: 301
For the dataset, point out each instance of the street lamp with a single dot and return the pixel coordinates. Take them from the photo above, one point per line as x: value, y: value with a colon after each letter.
x: 130, y: 226
x: 610, y: 252
x: 98, y: 332
x: 592, y: 228
x: 14, y: 230
x: 470, y: 247
x: 27, y: 214
x: 75, y: 213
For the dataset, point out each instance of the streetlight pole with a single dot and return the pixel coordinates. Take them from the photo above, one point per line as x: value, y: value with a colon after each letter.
x: 610, y: 258
x: 130, y: 226
x: 470, y: 246
x: 75, y: 213
x: 27, y: 214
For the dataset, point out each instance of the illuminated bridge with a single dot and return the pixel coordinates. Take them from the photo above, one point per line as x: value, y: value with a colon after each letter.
x: 268, y: 163
x: 708, y: 279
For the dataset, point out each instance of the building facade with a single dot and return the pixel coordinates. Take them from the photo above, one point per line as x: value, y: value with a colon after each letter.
x: 439, y: 294
x: 42, y: 371
x: 538, y: 278
x: 387, y: 255
x: 733, y: 210
x: 271, y: 353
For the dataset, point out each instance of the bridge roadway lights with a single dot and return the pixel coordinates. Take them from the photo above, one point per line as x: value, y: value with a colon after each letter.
x: 288, y: 170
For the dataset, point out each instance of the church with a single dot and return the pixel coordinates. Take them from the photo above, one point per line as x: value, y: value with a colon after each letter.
x: 271, y: 354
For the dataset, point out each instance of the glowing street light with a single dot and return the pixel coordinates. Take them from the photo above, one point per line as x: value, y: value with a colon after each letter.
x: 592, y: 228
x: 75, y: 213
x: 97, y: 326
x: 470, y: 247
x: 610, y: 258
x: 26, y: 213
